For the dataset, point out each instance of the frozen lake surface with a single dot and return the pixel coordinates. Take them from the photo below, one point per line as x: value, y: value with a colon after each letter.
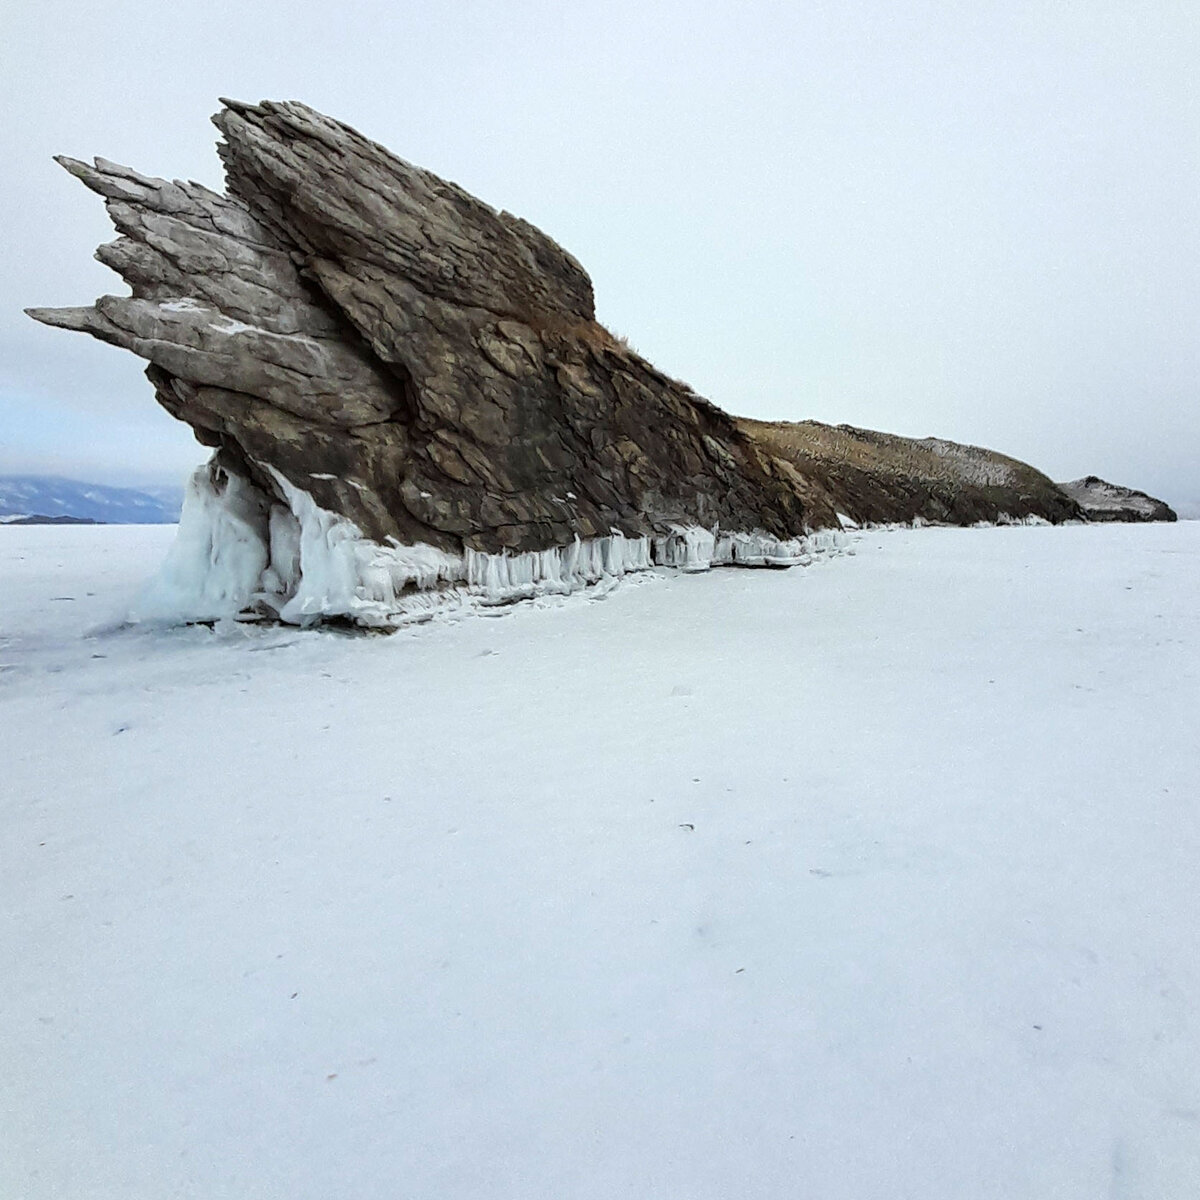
x: 872, y: 880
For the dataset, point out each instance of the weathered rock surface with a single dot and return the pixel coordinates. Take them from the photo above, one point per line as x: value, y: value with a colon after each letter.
x: 408, y: 391
x: 1102, y: 501
x: 425, y: 366
x: 876, y: 478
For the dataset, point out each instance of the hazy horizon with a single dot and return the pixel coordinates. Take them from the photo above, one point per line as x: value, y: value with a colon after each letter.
x: 977, y: 224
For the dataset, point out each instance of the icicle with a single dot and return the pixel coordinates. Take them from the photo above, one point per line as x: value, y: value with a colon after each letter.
x: 498, y: 578
x: 236, y: 550
x: 217, y: 560
x: 689, y: 548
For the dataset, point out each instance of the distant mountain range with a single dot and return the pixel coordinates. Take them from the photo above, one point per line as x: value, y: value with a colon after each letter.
x: 48, y: 499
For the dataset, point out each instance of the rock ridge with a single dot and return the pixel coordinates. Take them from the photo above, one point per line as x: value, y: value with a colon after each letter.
x: 881, y: 478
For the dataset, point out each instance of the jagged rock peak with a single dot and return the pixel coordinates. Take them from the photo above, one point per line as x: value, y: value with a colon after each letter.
x: 342, y: 197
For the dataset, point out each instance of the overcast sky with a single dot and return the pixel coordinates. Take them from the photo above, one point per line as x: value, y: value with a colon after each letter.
x: 979, y: 220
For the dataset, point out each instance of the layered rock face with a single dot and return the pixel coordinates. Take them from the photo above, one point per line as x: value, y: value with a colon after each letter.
x: 1102, y: 501
x: 876, y: 478
x: 358, y: 337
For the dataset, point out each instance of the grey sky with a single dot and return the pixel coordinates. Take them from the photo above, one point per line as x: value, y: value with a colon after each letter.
x: 977, y: 220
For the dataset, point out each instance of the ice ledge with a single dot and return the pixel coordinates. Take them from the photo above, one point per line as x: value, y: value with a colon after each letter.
x: 240, y: 552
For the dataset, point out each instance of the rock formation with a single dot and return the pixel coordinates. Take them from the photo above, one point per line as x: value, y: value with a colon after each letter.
x: 1101, y: 501
x: 876, y: 478
x: 410, y: 399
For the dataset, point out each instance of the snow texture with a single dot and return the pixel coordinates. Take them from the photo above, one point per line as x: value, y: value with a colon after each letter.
x: 184, y: 304
x: 866, y: 881
x: 231, y: 326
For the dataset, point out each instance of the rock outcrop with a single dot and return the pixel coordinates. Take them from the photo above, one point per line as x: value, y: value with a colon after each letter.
x: 876, y: 478
x: 409, y: 396
x: 1102, y: 501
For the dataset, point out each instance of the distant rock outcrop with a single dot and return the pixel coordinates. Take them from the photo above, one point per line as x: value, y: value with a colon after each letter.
x: 42, y: 519
x: 876, y: 478
x: 1102, y: 501
x: 410, y: 399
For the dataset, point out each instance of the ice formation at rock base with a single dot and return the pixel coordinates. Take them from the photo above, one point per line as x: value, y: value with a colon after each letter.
x: 242, y: 553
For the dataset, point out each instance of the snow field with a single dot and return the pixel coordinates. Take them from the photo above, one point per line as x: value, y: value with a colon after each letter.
x: 875, y: 879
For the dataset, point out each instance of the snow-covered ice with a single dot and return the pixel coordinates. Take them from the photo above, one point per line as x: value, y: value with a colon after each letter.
x: 871, y: 880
